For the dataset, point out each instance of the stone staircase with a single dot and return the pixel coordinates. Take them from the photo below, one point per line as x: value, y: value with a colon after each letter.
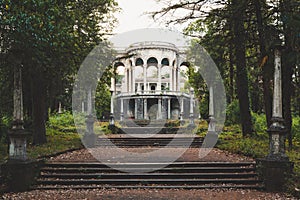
x: 188, y: 175
x: 157, y: 141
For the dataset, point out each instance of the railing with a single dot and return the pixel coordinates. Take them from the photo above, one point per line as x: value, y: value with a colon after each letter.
x: 154, y: 92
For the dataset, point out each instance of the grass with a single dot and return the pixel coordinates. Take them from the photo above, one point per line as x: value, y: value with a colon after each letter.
x: 257, y: 146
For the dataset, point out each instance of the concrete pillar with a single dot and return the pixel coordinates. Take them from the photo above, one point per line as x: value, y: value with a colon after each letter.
x: 145, y: 109
x: 133, y: 78
x: 145, y: 77
x: 59, y: 108
x: 130, y: 80
x: 178, y: 79
x: 181, y: 111
x: 277, y: 129
x: 135, y: 108
x: 169, y: 108
x: 122, y: 110
x: 159, y: 77
x: 126, y: 80
x: 112, y: 91
x: 82, y: 107
x: 159, y: 108
x: 212, y: 122
x: 171, y: 78
x: 17, y: 135
x: 192, y: 106
x: 276, y: 169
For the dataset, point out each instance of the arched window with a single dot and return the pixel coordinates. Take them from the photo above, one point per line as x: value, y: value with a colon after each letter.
x: 165, y: 61
x: 120, y: 72
x: 139, y: 62
x: 152, y: 61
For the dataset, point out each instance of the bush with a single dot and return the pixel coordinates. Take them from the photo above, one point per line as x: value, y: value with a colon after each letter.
x: 260, y: 124
x: 232, y: 113
x: 296, y: 128
x: 62, y: 122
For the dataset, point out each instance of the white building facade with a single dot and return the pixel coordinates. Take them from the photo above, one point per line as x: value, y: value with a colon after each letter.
x: 151, y: 83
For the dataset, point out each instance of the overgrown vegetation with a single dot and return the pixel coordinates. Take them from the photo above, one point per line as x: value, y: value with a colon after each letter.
x: 256, y: 146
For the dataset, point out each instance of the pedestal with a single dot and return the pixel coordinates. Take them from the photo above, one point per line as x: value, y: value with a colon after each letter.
x: 274, y: 173
x: 89, y: 137
x: 20, y: 175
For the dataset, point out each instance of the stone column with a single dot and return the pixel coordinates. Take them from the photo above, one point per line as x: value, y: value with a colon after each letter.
x: 122, y: 109
x: 89, y: 137
x: 112, y: 92
x: 126, y: 80
x: 171, y: 78
x: 17, y: 135
x: 159, y: 108
x: 275, y: 168
x: 136, y: 108
x: 192, y: 107
x: 159, y: 77
x: 169, y: 108
x: 178, y: 79
x: 145, y: 109
x: 212, y: 121
x: 133, y: 78
x: 82, y: 107
x: 130, y: 80
x: 181, y: 111
x: 145, y: 77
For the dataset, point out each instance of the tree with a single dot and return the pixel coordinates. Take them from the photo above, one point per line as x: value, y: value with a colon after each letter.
x: 50, y: 38
x: 239, y: 10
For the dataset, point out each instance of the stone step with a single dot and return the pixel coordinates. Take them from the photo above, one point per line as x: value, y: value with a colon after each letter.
x: 178, y: 174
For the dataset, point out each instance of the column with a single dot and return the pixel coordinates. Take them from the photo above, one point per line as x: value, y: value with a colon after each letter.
x: 126, y: 80
x: 122, y: 110
x: 17, y: 136
x: 130, y: 80
x: 89, y: 102
x: 112, y: 91
x: 135, y: 108
x: 178, y: 79
x: 174, y: 79
x: 275, y: 168
x: 159, y: 77
x: 145, y: 77
x: 145, y: 109
x: 82, y: 107
x: 169, y: 108
x: 211, y: 125
x: 159, y: 108
x: 133, y: 79
x: 181, y: 111
x: 192, y: 106
x: 277, y: 129
x: 171, y: 78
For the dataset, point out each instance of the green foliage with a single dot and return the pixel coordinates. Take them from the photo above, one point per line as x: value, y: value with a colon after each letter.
x: 296, y: 128
x: 233, y: 113
x: 260, y: 124
x: 102, y: 101
x: 57, y: 142
x: 62, y: 122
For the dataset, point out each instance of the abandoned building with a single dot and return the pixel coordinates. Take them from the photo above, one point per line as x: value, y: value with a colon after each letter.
x: 151, y: 83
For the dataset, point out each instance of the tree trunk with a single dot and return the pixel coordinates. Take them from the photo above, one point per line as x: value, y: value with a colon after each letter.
x: 39, y: 107
x: 265, y: 65
x: 289, y: 61
x: 239, y: 9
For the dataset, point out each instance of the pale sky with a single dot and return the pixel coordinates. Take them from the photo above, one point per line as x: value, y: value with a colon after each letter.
x: 132, y: 15
x: 134, y: 23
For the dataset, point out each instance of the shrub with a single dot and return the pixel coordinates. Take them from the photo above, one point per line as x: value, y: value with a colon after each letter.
x: 233, y: 113
x: 260, y: 124
x: 296, y: 128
